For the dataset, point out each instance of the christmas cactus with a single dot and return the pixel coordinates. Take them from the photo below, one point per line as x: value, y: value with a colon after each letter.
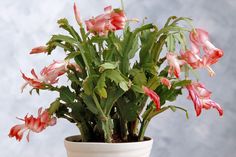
x: 119, y: 78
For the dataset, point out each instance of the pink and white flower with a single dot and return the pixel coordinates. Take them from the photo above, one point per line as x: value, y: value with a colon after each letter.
x: 112, y: 20
x: 201, y: 98
x: 51, y: 73
x: 48, y: 75
x: 33, y: 124
x: 192, y: 59
x: 175, y: 63
x: 154, y: 97
x: 166, y: 82
x: 35, y: 82
x: 200, y: 39
x: 118, y: 19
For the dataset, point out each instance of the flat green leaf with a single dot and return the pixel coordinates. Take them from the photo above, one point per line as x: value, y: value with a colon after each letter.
x: 113, y: 75
x: 181, y: 39
x: 88, y: 84
x: 101, y: 85
x: 182, y: 83
x: 114, y: 95
x: 73, y: 78
x: 63, y: 23
x: 63, y: 38
x: 79, y: 60
x: 137, y: 89
x: 128, y: 111
x: 154, y: 82
x: 157, y: 48
x: 170, y: 19
x: 108, y: 65
x: 135, y: 48
x: 148, y: 38
x: 54, y: 106
x: 116, y: 42
x: 138, y: 77
x: 171, y: 28
x: 88, y: 100
x: 72, y: 55
x: 170, y: 42
x: 123, y: 85
x: 66, y: 95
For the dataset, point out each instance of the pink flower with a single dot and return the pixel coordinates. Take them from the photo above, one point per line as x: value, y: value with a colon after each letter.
x: 35, y: 82
x: 201, y: 98
x: 40, y: 49
x: 200, y: 38
x: 192, y: 59
x: 112, y: 20
x: 166, y: 82
x: 196, y: 62
x: 174, y: 63
x: 77, y: 15
x: 51, y: 73
x: 155, y: 98
x: 118, y: 19
x: 98, y: 25
x: 33, y: 124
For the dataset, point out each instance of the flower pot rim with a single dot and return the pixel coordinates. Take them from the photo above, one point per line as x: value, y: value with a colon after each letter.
x: 66, y: 140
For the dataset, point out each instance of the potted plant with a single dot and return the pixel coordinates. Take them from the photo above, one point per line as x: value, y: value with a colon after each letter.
x: 119, y: 80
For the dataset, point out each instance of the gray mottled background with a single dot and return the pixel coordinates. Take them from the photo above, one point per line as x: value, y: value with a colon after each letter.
x: 28, y: 23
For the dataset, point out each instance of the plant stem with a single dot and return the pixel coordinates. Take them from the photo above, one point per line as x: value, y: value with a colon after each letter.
x: 123, y: 129
x: 104, y: 120
x: 98, y: 106
x: 142, y: 131
x: 107, y: 130
x: 84, y: 131
x: 133, y: 128
x: 84, y: 59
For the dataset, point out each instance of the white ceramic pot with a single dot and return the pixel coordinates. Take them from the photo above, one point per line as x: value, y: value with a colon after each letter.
x: 90, y: 149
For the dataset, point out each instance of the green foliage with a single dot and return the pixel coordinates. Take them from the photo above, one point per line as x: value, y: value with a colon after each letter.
x: 113, y: 75
x: 106, y: 96
x: 66, y: 95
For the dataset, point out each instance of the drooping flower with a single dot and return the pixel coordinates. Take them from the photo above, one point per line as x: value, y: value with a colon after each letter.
x: 77, y: 14
x: 154, y: 97
x: 112, y: 20
x: 48, y: 75
x: 35, y: 82
x: 174, y: 63
x: 34, y: 124
x: 40, y: 49
x: 196, y: 62
x: 201, y: 98
x: 200, y: 39
x: 166, y: 82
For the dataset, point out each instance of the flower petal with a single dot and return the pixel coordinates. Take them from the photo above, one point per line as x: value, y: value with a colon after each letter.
x: 155, y: 98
